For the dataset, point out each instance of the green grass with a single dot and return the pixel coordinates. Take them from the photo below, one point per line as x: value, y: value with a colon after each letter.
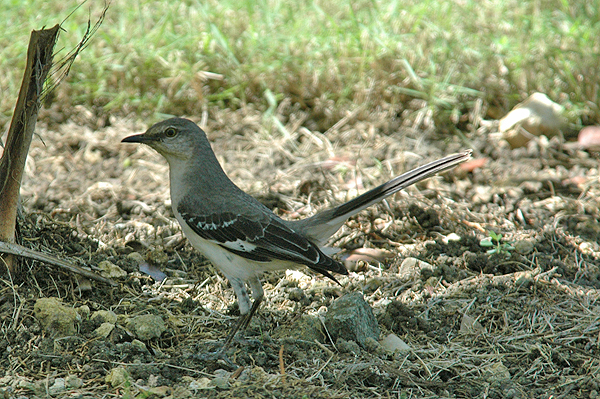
x: 434, y: 56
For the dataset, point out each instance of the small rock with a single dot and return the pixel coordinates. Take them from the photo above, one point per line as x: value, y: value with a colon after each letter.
x: 160, y: 392
x: 413, y: 269
x: 104, y: 316
x: 110, y: 270
x: 351, y: 318
x: 104, y: 330
x: 452, y: 237
x: 84, y: 311
x: 523, y: 247
x: 25, y: 384
x: 147, y: 326
x: 58, y: 319
x: 136, y: 258
x: 84, y: 284
x: 536, y: 116
x: 201, y: 383
x: 220, y: 382
x: 57, y: 387
x: 482, y: 195
x: 139, y: 345
x: 393, y: 343
x: 73, y: 382
x: 221, y: 379
x: 588, y: 248
x: 117, y: 376
x: 589, y: 138
x: 297, y: 276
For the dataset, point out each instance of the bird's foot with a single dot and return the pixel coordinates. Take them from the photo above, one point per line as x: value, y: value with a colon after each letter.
x: 218, y: 356
x: 245, y: 342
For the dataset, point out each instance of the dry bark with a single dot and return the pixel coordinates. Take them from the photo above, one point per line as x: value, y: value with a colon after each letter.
x: 12, y: 163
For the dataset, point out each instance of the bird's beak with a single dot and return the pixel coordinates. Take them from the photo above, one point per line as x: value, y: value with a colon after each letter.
x: 138, y: 138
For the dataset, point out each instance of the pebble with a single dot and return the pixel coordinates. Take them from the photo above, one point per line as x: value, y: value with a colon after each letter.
x: 55, y: 317
x: 106, y: 316
x: 104, y: 330
x: 117, y: 376
x: 351, y: 318
x: 523, y: 247
x: 57, y: 387
x: 110, y: 270
x: 147, y: 326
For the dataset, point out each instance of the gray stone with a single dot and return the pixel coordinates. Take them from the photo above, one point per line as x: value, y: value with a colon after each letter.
x: 117, y: 376
x: 110, y: 270
x: 139, y: 345
x: 351, y: 318
x: 524, y: 247
x: 104, y: 316
x: 57, y: 388
x: 73, y: 382
x: 146, y: 326
x: 104, y: 330
x: 55, y: 317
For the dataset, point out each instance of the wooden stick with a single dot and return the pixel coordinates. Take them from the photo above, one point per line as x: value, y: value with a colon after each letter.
x: 19, y: 250
x: 20, y: 133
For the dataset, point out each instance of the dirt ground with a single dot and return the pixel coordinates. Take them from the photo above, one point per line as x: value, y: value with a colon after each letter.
x: 523, y: 322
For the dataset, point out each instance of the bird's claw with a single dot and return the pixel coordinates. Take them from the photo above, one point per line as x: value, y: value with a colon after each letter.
x: 218, y: 356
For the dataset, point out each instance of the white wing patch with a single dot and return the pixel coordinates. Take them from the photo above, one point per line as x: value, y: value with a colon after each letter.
x: 211, y: 226
x: 239, y: 245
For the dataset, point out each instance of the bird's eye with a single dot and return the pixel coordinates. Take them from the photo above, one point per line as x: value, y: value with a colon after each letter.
x: 170, y: 132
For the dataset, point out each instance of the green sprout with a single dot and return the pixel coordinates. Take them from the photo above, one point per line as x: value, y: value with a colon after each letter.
x: 494, y: 241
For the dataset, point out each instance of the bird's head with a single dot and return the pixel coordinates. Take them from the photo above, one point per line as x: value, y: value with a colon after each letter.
x: 175, y: 139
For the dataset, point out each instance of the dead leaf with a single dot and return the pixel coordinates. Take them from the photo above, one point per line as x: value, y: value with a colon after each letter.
x: 473, y: 164
x: 392, y: 343
x: 589, y: 138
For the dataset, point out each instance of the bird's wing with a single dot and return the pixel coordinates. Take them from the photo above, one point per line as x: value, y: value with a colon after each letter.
x: 262, y: 239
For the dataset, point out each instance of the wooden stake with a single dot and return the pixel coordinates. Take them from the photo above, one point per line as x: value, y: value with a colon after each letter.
x: 20, y: 133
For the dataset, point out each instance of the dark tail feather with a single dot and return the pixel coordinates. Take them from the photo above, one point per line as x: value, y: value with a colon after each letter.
x: 398, y: 183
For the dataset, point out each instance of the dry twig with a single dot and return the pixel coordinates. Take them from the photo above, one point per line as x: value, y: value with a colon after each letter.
x: 19, y: 250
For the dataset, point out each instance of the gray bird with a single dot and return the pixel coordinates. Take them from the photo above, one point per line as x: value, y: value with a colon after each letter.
x: 240, y: 236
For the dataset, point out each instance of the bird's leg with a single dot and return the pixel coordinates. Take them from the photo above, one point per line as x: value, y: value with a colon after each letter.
x: 242, y: 322
x: 247, y: 311
x: 258, y: 294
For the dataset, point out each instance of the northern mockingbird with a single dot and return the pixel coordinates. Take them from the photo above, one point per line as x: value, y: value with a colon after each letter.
x: 239, y: 235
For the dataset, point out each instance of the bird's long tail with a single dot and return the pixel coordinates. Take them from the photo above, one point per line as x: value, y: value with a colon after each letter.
x: 324, y: 224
